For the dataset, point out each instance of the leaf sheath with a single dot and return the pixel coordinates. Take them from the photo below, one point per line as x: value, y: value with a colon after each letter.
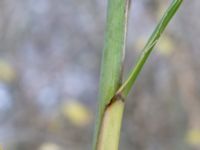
x: 113, y: 56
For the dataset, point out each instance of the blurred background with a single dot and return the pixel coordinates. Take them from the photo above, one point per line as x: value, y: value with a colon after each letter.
x: 50, y: 53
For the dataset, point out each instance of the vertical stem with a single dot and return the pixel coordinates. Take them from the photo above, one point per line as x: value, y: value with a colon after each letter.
x: 111, y: 125
x: 109, y: 117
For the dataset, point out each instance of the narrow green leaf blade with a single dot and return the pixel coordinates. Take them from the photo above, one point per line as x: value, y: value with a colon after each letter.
x: 171, y: 11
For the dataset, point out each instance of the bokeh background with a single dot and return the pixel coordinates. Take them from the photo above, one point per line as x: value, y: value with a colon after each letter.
x: 50, y: 53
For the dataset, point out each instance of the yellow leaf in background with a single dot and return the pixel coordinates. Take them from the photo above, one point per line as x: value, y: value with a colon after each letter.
x: 1, y: 147
x: 193, y: 137
x: 140, y: 43
x: 165, y: 45
x: 7, y: 72
x: 76, y: 113
x: 49, y: 146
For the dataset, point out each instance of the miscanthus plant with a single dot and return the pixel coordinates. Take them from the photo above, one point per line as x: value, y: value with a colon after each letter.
x: 112, y: 91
